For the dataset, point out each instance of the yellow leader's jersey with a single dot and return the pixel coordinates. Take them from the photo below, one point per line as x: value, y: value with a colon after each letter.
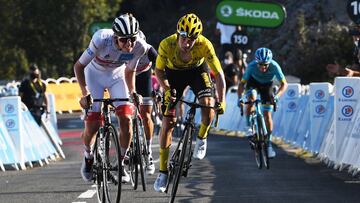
x: 169, y: 56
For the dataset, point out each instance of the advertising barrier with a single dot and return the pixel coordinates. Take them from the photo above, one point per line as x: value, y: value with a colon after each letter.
x: 319, y: 97
x: 346, y: 103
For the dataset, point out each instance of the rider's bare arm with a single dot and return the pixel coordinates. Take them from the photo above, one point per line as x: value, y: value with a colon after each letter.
x: 161, y: 76
x: 241, y: 88
x: 130, y: 79
x: 80, y: 76
x: 283, y: 87
x: 220, y: 85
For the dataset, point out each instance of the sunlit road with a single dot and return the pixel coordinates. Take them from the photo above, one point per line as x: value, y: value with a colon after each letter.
x: 227, y: 174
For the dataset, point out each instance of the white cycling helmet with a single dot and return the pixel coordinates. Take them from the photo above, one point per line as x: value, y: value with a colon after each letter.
x: 125, y: 25
x: 141, y: 35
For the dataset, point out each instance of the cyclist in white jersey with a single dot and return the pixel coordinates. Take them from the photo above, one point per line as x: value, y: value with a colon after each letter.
x: 108, y: 63
x: 144, y: 88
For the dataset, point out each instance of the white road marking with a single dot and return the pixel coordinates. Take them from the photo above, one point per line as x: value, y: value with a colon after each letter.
x: 87, y: 195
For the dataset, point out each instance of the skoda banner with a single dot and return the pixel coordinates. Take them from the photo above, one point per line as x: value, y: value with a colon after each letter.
x: 256, y: 14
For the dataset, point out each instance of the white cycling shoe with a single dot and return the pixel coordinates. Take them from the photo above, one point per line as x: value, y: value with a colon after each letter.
x: 150, y: 168
x: 200, y: 148
x: 160, y: 182
x: 248, y: 131
x: 271, y: 152
x: 125, y: 177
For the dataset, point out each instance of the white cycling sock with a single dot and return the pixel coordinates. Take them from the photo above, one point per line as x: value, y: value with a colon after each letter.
x: 87, y: 152
x: 149, y: 142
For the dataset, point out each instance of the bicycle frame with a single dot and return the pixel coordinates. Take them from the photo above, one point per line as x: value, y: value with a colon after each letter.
x: 180, y: 161
x: 103, y: 169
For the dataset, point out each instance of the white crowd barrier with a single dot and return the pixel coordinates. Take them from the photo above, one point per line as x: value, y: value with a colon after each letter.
x: 320, y: 118
x: 22, y: 141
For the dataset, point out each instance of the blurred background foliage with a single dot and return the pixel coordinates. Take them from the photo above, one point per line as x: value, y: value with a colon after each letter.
x: 54, y: 33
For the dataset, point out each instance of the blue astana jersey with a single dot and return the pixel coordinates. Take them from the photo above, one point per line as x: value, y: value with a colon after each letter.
x: 274, y: 71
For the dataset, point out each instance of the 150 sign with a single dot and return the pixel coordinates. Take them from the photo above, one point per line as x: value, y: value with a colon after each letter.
x: 353, y: 10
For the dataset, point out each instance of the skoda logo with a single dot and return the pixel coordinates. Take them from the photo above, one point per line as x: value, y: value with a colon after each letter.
x: 226, y: 11
x: 348, y: 91
x: 10, y: 123
x: 320, y: 109
x: 319, y: 94
x: 9, y: 108
x: 291, y: 93
x: 292, y: 105
x: 347, y: 111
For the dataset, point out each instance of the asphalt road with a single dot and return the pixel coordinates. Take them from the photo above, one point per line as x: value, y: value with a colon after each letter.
x: 227, y: 174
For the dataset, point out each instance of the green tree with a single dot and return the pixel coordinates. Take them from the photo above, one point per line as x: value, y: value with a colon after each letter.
x: 51, y: 33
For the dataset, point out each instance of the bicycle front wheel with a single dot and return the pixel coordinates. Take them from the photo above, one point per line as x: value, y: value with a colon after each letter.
x: 139, y: 152
x: 98, y: 168
x: 113, y: 165
x: 179, y: 167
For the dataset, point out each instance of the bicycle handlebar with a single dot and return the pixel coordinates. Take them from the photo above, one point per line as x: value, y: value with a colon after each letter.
x: 273, y: 102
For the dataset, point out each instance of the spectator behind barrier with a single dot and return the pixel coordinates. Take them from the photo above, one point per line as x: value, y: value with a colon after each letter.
x: 349, y: 70
x: 225, y: 32
x: 32, y: 92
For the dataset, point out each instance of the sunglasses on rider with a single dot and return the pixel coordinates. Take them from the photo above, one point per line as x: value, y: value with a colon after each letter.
x: 184, y: 34
x: 264, y: 64
x: 126, y: 39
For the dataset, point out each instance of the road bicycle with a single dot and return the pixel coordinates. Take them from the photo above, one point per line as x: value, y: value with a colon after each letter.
x: 138, y: 151
x: 107, y: 164
x: 259, y: 141
x: 180, y: 161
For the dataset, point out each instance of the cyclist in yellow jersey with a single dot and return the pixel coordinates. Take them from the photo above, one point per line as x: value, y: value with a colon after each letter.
x: 182, y: 61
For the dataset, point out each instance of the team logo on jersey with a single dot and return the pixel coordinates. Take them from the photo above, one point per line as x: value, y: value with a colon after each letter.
x: 126, y: 57
x: 89, y: 51
x: 347, y: 111
x: 319, y: 94
x: 347, y: 91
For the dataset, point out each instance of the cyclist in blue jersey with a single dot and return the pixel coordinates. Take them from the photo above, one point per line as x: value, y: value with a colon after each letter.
x: 259, y: 75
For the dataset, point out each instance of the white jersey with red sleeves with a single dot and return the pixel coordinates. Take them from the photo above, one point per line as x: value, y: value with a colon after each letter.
x: 103, y: 53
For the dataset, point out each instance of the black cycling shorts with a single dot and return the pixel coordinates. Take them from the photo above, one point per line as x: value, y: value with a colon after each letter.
x: 197, y: 78
x: 264, y: 89
x: 143, y: 83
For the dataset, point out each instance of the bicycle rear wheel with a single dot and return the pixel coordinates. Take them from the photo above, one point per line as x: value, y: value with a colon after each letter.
x: 179, y: 167
x: 98, y: 170
x: 113, y: 165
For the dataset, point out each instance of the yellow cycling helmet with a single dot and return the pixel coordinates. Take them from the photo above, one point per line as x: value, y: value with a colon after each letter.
x: 189, y: 26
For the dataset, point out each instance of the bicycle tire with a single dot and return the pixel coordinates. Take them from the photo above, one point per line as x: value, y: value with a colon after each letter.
x: 139, y: 153
x: 98, y: 171
x: 179, y: 169
x: 113, y: 165
x: 263, y: 143
x: 257, y: 149
x: 133, y: 169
